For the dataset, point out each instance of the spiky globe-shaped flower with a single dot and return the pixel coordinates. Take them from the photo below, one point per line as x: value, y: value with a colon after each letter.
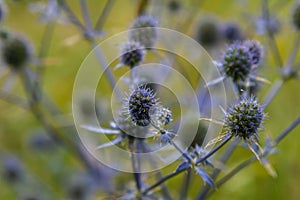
x: 160, y: 116
x: 256, y: 51
x: 132, y: 53
x: 140, y: 101
x: 296, y: 16
x: 236, y: 62
x: 144, y: 30
x: 16, y: 52
x: 244, y: 118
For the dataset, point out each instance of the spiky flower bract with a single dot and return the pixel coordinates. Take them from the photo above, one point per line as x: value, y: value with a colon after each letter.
x: 132, y: 53
x: 296, y: 16
x: 140, y: 101
x: 144, y: 30
x: 236, y: 62
x: 244, y: 118
x: 16, y: 51
x: 208, y: 33
x: 256, y: 51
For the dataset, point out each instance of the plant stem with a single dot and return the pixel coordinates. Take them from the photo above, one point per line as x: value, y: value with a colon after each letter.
x: 161, y: 181
x: 273, y: 46
x: 104, y: 13
x: 247, y: 162
x: 185, y: 185
x: 214, y: 150
x: 202, y: 194
x: 164, y: 189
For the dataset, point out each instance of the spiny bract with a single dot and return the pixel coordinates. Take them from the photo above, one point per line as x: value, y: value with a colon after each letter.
x: 244, y: 118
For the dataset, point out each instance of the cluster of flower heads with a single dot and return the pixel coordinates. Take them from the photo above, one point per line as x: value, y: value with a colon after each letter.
x: 210, y: 33
x: 142, y: 35
x: 241, y: 59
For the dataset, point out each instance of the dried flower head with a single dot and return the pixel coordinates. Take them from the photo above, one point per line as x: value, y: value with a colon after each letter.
x: 140, y: 101
x: 132, y: 53
x: 16, y: 51
x: 236, y: 62
x: 256, y: 51
x: 244, y: 118
x: 144, y: 30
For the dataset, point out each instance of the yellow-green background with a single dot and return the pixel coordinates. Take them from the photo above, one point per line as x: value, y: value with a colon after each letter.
x: 16, y: 124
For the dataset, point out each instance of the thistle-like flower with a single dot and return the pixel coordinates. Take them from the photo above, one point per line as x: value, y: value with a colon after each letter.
x: 132, y: 53
x: 236, y: 62
x: 16, y: 51
x: 144, y: 30
x: 140, y: 101
x: 244, y: 118
x: 256, y: 51
x: 160, y: 116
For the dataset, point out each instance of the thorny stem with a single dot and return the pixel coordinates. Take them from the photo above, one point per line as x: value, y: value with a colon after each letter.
x: 71, y: 15
x: 167, y: 177
x: 271, y: 38
x: 135, y: 164
x: 293, y: 54
x: 214, y: 150
x: 247, y: 162
x: 104, y: 13
x: 277, y: 85
x: 85, y: 14
x: 180, y: 151
x: 185, y: 185
x: 161, y: 181
x: 216, y: 171
x: 101, y: 59
x: 164, y: 189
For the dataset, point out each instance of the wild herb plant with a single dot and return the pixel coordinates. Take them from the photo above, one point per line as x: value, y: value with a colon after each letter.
x: 146, y: 121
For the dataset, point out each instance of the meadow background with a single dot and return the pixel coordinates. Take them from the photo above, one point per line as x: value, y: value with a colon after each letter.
x: 48, y: 171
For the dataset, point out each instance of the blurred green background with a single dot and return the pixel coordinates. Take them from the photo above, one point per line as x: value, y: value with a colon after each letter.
x: 50, y: 171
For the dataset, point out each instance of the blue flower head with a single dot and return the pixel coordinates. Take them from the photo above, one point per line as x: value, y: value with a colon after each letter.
x: 143, y: 30
x: 244, y: 118
x: 236, y: 62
